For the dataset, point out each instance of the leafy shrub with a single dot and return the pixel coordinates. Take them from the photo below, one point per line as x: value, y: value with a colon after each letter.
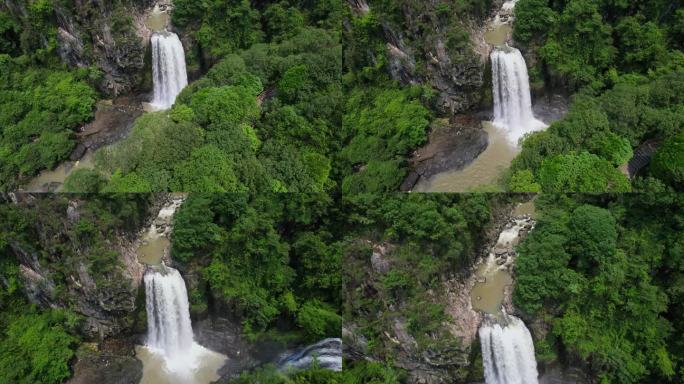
x: 668, y: 161
x: 37, y: 348
x: 581, y: 173
x: 318, y: 320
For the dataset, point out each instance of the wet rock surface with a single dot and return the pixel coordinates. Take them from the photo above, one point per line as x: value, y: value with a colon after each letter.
x: 113, y: 122
x: 450, y: 147
x: 327, y: 354
x: 223, y: 336
x: 111, y: 362
x: 550, y: 107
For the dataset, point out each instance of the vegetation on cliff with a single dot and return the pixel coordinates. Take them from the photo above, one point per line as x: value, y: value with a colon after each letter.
x: 395, y: 84
x: 38, y: 338
x: 405, y: 247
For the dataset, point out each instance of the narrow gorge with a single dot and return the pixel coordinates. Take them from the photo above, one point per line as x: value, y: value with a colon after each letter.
x: 507, y: 348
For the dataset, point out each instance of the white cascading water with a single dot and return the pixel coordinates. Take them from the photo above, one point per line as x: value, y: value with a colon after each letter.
x: 511, y: 93
x: 168, y: 69
x: 326, y: 353
x: 507, y: 352
x: 169, y: 331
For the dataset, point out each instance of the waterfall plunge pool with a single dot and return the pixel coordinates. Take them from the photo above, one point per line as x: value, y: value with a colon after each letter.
x: 513, y: 115
x: 170, y: 354
x: 485, y: 169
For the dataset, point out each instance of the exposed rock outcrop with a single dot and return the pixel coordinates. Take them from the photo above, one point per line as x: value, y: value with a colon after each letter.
x: 109, y: 35
x: 431, y: 47
x: 57, y: 267
x: 111, y: 362
x: 451, y: 146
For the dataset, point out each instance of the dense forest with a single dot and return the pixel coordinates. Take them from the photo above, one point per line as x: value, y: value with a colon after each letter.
x: 604, y: 274
x: 264, y: 257
x: 624, y: 61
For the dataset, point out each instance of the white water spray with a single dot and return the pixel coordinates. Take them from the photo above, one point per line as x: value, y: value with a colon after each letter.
x: 168, y: 69
x: 326, y: 353
x: 507, y: 352
x: 511, y: 92
x: 169, y: 331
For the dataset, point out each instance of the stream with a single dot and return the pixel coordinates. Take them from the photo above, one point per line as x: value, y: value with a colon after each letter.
x: 170, y: 353
x: 507, y: 347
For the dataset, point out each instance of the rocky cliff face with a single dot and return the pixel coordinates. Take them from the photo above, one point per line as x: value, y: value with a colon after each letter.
x: 435, y: 44
x: 441, y: 363
x: 116, y: 38
x: 109, y: 35
x: 453, y: 357
x: 56, y: 263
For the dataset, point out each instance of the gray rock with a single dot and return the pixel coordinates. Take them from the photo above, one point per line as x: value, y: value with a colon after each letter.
x: 378, y: 261
x: 450, y: 147
x: 113, y: 362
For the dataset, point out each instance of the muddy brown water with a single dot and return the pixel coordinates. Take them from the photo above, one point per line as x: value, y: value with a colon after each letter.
x: 498, y: 35
x: 59, y: 174
x: 489, y: 291
x: 154, y: 371
x: 484, y: 170
x: 488, y: 296
x: 157, y: 20
x: 153, y: 249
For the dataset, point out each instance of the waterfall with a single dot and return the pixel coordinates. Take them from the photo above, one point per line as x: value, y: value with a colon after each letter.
x: 327, y: 353
x: 511, y: 93
x: 168, y: 68
x: 507, y: 352
x: 169, y: 331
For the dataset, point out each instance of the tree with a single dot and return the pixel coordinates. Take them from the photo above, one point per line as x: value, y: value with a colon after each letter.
x: 642, y: 44
x: 84, y: 181
x: 227, y: 104
x: 131, y: 183
x: 583, y: 172
x: 668, y: 161
x: 533, y: 19
x: 581, y: 47
x: 37, y: 348
x: 592, y: 238
x: 317, y: 321
x: 523, y: 181
x: 207, y: 170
